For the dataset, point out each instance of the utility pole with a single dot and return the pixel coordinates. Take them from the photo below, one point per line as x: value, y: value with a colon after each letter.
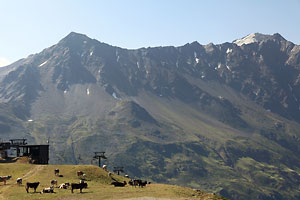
x: 99, y: 155
x: 119, y: 169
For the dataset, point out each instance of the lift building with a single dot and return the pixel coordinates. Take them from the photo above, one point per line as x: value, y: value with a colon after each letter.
x: 38, y: 154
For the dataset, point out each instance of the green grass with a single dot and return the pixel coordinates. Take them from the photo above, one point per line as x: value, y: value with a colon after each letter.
x: 98, y: 184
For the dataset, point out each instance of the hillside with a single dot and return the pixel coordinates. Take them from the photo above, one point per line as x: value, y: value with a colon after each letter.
x: 223, y: 118
x: 99, y: 184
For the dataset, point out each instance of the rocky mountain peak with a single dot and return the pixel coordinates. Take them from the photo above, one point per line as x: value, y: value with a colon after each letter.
x: 75, y: 36
x: 257, y: 37
x: 75, y: 40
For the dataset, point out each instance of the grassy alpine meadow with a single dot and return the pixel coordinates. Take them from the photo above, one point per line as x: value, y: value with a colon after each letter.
x: 98, y: 180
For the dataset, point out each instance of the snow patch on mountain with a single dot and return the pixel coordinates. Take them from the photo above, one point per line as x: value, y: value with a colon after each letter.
x: 252, y: 38
x: 229, y: 51
x: 115, y: 96
x: 44, y: 63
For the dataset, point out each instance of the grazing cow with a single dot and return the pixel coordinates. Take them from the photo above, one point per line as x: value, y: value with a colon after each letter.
x: 79, y: 186
x: 33, y: 185
x: 48, y: 190
x: 19, y: 181
x: 80, y: 173
x: 64, y: 186
x: 119, y: 184
x: 142, y: 183
x: 53, y: 182
x: 109, y: 174
x: 4, y: 179
x: 130, y: 182
x: 126, y: 176
x: 104, y: 167
x: 137, y: 182
x: 56, y: 172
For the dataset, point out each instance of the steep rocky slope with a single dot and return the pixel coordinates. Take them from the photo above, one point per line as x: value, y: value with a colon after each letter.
x: 224, y: 118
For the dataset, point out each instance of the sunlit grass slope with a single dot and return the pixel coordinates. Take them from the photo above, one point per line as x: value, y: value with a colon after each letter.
x: 99, y: 184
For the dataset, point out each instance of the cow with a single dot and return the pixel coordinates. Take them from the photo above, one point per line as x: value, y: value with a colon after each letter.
x: 33, y: 185
x: 143, y: 183
x: 80, y: 173
x: 119, y: 184
x: 104, y: 167
x: 4, y: 179
x: 64, y: 186
x: 53, y: 182
x: 79, y: 186
x: 56, y: 172
x: 130, y: 182
x: 48, y: 190
x: 138, y: 182
x: 19, y: 181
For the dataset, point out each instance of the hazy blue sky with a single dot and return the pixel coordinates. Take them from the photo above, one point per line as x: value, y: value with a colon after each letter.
x: 28, y: 26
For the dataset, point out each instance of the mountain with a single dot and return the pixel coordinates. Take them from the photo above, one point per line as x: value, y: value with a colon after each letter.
x: 223, y: 118
x: 257, y: 38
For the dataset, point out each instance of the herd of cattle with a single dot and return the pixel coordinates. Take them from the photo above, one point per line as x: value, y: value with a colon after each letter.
x: 81, y: 185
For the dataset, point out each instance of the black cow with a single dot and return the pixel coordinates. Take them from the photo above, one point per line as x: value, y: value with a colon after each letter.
x: 33, y: 185
x: 143, y: 183
x: 79, y: 186
x: 119, y: 184
x: 138, y: 182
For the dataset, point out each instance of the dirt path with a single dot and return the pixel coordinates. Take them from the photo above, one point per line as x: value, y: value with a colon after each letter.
x: 33, y: 172
x: 36, y: 169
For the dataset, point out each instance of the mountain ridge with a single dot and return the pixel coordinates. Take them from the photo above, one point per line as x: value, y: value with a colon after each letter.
x: 221, y: 117
x: 258, y: 37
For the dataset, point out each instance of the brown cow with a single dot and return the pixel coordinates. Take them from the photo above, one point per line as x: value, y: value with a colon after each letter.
x: 80, y: 173
x: 53, y: 182
x: 56, y: 172
x: 4, y: 179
